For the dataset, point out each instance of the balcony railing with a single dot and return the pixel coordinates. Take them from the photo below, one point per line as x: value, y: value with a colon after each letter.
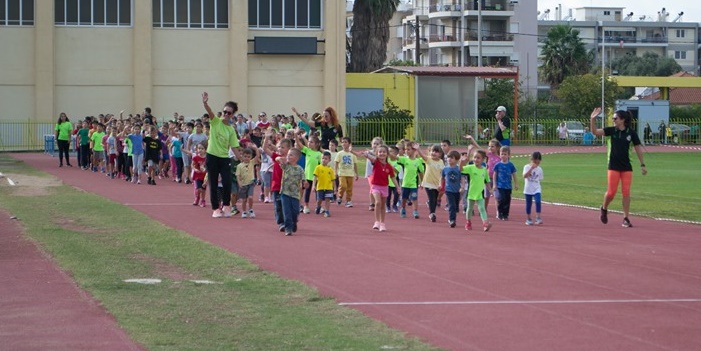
x: 445, y: 7
x: 629, y: 39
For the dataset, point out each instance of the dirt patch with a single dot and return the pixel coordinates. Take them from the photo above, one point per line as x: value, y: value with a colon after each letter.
x: 162, y: 269
x: 70, y: 224
x: 28, y: 185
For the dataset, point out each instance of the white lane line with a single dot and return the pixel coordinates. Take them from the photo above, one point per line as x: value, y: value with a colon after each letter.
x: 157, y: 204
x: 513, y: 302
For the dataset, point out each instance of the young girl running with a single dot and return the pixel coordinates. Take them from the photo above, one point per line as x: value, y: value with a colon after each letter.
x: 198, y: 174
x: 434, y: 165
x: 382, y: 170
x: 479, y: 177
x: 533, y: 174
x: 492, y: 159
x: 376, y: 142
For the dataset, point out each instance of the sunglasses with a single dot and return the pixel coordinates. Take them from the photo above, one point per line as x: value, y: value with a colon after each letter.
x: 228, y: 112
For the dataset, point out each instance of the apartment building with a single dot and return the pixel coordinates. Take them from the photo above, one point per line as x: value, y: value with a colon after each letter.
x: 86, y: 57
x: 619, y: 32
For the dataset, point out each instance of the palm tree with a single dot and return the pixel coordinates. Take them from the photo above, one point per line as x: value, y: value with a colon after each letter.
x: 370, y: 33
x: 563, y: 55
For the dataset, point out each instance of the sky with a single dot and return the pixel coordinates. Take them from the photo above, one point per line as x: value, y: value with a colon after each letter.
x: 691, y: 9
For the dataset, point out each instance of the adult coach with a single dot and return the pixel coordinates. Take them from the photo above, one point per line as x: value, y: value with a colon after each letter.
x: 620, y: 170
x: 222, y: 137
x: 329, y: 126
x: 64, y: 128
x: 503, y: 130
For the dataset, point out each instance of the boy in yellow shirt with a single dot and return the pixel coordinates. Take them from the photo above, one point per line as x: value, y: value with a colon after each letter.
x: 324, y: 184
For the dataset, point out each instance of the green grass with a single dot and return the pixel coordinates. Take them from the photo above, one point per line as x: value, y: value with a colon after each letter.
x: 668, y: 190
x: 100, y: 243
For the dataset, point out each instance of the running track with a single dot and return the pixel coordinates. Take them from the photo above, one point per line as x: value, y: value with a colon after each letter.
x: 571, y: 284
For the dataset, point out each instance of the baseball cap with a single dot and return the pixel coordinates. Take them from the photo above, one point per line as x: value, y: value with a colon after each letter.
x: 501, y: 109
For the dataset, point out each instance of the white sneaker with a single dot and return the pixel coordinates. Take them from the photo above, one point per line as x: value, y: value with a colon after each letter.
x: 267, y: 200
x: 306, y: 209
x: 244, y: 214
x: 251, y: 214
x: 226, y: 211
x: 349, y: 204
x: 217, y: 213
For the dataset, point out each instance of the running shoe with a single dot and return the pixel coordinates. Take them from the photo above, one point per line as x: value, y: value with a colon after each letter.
x: 452, y: 224
x: 416, y: 214
x: 226, y: 211
x: 395, y: 208
x: 604, y: 215
x: 538, y: 221
x: 487, y: 226
x: 338, y: 201
x: 388, y: 209
x: 217, y: 213
x: 372, y: 207
x: 244, y: 214
x: 203, y: 204
x: 382, y: 227
x: 234, y: 210
x: 402, y: 213
x: 327, y: 214
x: 376, y: 225
x: 529, y: 222
x: 349, y: 204
x: 626, y: 223
x: 468, y: 225
x: 251, y: 214
x: 432, y: 217
x: 306, y: 210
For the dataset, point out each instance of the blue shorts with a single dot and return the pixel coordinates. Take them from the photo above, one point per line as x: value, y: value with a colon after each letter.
x: 410, y: 194
x: 324, y: 194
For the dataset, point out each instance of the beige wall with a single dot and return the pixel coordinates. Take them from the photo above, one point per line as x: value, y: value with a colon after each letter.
x: 91, y: 70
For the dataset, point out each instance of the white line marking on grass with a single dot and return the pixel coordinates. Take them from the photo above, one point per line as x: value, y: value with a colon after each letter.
x: 514, y: 302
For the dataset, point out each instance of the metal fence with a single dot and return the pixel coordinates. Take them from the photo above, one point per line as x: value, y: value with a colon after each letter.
x: 39, y: 136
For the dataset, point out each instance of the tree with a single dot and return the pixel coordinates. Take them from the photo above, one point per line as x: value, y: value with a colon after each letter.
x: 650, y: 64
x: 564, y: 55
x: 497, y: 92
x: 370, y: 33
x: 580, y: 94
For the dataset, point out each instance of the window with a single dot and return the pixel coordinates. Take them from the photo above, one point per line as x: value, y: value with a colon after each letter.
x: 607, y: 13
x: 681, y: 33
x: 17, y: 13
x: 680, y: 55
x: 93, y: 12
x: 284, y: 14
x: 191, y: 13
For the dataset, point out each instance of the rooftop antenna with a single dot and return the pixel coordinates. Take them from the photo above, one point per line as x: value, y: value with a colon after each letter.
x: 545, y: 15
x: 628, y: 17
x: 569, y: 16
x: 679, y: 17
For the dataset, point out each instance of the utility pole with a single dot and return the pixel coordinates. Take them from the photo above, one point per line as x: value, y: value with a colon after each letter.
x: 417, y: 50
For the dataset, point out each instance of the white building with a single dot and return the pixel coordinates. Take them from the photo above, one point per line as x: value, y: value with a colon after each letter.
x: 621, y: 32
x: 86, y: 57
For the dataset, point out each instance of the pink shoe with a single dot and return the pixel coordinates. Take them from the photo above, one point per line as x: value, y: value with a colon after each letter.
x: 382, y: 227
x: 226, y: 211
x: 376, y: 225
x: 203, y: 204
x: 468, y: 225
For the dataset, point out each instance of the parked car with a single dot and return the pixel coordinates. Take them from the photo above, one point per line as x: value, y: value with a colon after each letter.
x: 575, y: 130
x: 679, y: 129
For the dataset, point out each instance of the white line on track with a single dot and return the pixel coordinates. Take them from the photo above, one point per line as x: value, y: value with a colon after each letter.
x: 514, y: 302
x: 158, y: 204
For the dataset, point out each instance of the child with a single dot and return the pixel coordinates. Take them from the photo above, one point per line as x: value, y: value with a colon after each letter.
x: 504, y: 180
x: 347, y: 172
x: 479, y: 177
x: 266, y: 173
x: 333, y: 150
x: 382, y: 171
x: 451, y: 181
x: 413, y: 167
x: 153, y: 151
x: 274, y: 151
x: 375, y: 143
x: 312, y: 159
x: 445, y: 146
x: 324, y: 185
x: 176, y: 146
x: 292, y: 181
x: 135, y: 142
x: 245, y: 172
x: 84, y: 141
x: 198, y: 175
x: 533, y: 174
x: 492, y: 159
x: 234, y: 193
x: 432, y: 176
x: 111, y: 153
x: 393, y: 193
x: 97, y: 148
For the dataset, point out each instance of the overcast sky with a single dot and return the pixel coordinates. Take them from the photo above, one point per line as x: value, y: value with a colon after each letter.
x: 649, y: 8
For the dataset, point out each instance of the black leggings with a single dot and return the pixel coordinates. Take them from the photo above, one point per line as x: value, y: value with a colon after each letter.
x: 432, y: 199
x: 63, y: 149
x: 308, y: 191
x: 219, y: 167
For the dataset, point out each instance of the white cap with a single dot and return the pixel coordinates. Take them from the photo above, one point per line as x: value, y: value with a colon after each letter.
x: 501, y: 109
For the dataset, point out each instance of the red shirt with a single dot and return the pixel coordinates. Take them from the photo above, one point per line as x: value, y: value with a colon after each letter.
x: 381, y: 173
x: 276, y: 179
x: 197, y: 163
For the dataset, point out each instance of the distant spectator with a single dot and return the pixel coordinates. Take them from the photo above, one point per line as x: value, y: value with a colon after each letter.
x: 587, y: 137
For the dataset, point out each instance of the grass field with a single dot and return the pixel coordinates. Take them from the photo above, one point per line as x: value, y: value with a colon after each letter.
x: 252, y: 309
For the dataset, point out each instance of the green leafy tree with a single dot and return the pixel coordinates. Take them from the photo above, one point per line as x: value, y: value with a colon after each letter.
x: 396, y: 62
x: 580, y: 94
x: 370, y: 33
x: 497, y: 92
x: 564, y: 55
x: 650, y: 64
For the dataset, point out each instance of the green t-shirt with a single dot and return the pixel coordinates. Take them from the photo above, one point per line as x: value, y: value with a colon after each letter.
x: 84, y: 135
x: 222, y: 137
x: 412, y: 168
x: 397, y: 168
x: 311, y: 160
x: 64, y: 130
x: 478, y: 178
x: 97, y: 141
